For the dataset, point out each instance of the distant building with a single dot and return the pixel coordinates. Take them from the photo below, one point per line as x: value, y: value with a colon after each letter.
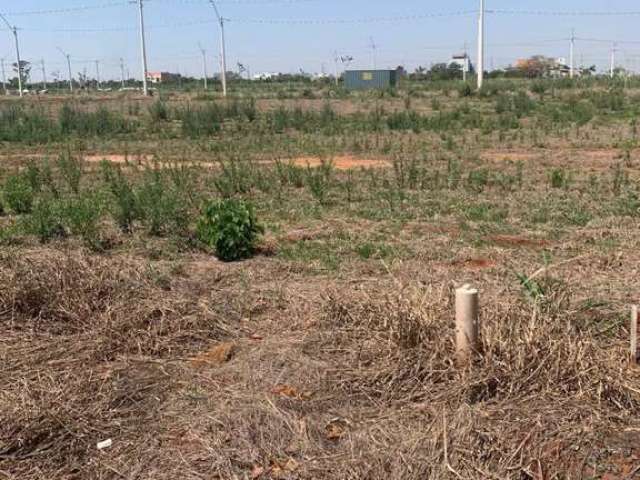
x: 540, y: 66
x: 462, y: 60
x: 265, y: 76
x: 561, y: 69
x: 163, y: 77
x: 370, y: 79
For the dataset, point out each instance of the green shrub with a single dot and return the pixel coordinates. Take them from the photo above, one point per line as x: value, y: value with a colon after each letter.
x: 477, y: 180
x: 26, y: 125
x: 559, y: 178
x: 82, y: 214
x: 539, y: 87
x: 199, y: 122
x: 319, y: 180
x: 102, y: 122
x: 236, y: 176
x: 34, y: 176
x: 124, y: 204
x: 70, y: 168
x: 627, y: 204
x: 230, y: 227
x: 45, y: 221
x: 290, y: 174
x: 162, y: 208
x: 18, y: 193
x: 159, y: 111
x: 465, y: 90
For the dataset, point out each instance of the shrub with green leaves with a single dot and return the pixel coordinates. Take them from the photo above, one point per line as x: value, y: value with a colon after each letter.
x: 70, y: 168
x: 45, y: 220
x: 230, y: 227
x: 82, y: 214
x: 158, y: 111
x: 124, y: 206
x: 559, y: 178
x: 18, y: 193
x: 318, y: 180
x: 162, y: 206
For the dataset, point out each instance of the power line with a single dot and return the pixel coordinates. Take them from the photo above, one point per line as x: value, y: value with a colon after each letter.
x: 80, y: 8
x: 600, y: 40
x: 564, y: 13
x: 241, y: 2
x: 272, y: 21
x: 325, y: 21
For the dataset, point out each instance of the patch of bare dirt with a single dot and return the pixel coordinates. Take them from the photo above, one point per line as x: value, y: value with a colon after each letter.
x: 344, y: 162
x: 119, y: 158
x: 510, y: 155
x: 474, y: 263
x: 594, y: 159
x: 218, y: 354
x: 517, y: 241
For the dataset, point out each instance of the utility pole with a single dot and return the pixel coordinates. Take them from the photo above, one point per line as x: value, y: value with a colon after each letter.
x: 14, y: 30
x: 68, y: 57
x: 223, y: 54
x: 465, y: 66
x: 97, y: 74
x: 481, y: 45
x: 374, y: 53
x: 571, y: 50
x: 204, y: 65
x: 44, y: 75
x: 335, y: 66
x: 143, y: 48
x: 4, y: 77
x: 613, y: 60
x: 122, y: 72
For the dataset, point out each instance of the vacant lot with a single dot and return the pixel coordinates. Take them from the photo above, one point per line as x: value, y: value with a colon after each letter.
x: 330, y: 352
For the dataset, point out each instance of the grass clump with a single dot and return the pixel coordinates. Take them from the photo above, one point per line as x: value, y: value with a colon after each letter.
x: 230, y: 227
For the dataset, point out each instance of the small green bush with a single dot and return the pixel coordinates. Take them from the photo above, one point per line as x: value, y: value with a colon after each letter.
x: 230, y: 227
x: 318, y: 180
x: 45, y: 220
x: 559, y: 178
x: 71, y: 171
x: 465, y: 90
x: 18, y: 193
x: 124, y: 205
x: 159, y: 111
x: 161, y: 206
x: 82, y: 213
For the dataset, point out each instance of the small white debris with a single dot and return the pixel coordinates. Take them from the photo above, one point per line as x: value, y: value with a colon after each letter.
x: 104, y: 444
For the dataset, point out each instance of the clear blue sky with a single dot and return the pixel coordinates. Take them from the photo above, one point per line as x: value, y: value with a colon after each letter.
x: 175, y: 27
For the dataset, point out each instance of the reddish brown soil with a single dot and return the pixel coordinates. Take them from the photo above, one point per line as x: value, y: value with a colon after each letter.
x: 517, y: 241
x: 218, y: 354
x: 474, y: 263
x: 344, y: 162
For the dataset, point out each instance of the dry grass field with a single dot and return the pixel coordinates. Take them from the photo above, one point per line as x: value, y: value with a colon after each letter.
x: 329, y: 353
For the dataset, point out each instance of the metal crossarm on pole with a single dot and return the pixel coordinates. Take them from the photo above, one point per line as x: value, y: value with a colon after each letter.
x: 223, y: 53
x: 14, y: 30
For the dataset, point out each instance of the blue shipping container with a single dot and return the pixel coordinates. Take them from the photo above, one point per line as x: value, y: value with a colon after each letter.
x: 366, y: 79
